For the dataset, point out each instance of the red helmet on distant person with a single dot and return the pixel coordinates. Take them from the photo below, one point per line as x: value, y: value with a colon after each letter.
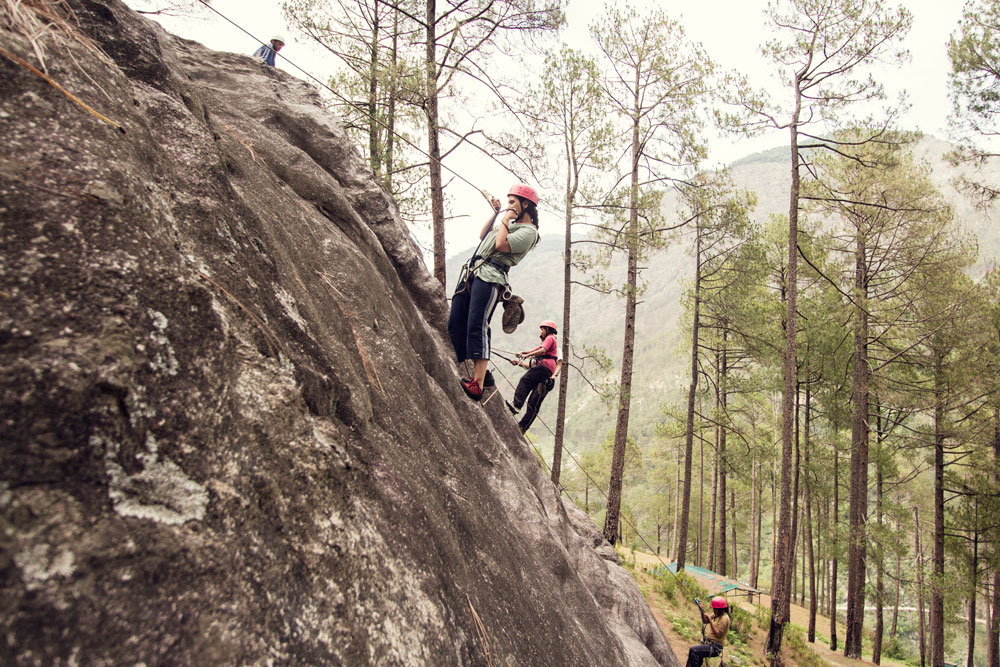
x: 526, y: 191
x: 550, y: 324
x: 719, y: 602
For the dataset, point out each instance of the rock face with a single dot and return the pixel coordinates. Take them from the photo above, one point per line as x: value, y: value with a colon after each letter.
x: 232, y: 426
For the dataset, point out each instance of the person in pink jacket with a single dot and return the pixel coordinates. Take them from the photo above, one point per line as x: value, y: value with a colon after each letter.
x: 541, y: 364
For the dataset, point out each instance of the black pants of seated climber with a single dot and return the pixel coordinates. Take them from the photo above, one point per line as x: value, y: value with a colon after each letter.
x: 534, y: 403
x: 698, y: 652
x: 537, y: 373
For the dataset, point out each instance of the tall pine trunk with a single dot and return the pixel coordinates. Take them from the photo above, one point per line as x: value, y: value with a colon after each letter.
x: 879, y: 554
x: 701, y: 501
x: 754, y: 510
x: 835, y: 547
x: 722, y: 455
x: 433, y: 142
x: 572, y: 183
x: 692, y: 390
x: 795, y: 512
x: 811, y: 632
x: 612, y: 516
x: 783, y: 550
x: 858, y: 509
x: 993, y: 629
x: 895, y: 600
x: 734, y: 572
x: 974, y: 583
x: 921, y: 627
x: 937, y: 564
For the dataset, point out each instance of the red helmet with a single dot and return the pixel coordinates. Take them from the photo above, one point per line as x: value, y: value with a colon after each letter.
x: 550, y: 324
x: 526, y: 191
x: 719, y: 602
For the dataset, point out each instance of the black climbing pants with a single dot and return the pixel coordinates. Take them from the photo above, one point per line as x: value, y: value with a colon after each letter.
x: 534, y: 403
x: 537, y: 373
x: 697, y: 653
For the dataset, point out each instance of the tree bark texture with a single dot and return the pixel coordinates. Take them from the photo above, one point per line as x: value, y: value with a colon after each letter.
x: 921, y: 628
x: 433, y: 143
x: 937, y: 564
x: 685, y: 502
x: 783, y: 551
x: 723, y: 361
x: 970, y: 662
x: 628, y: 349
x: 858, y: 509
x: 993, y: 631
x: 879, y: 555
x: 834, y: 546
x: 811, y: 631
x: 557, y: 447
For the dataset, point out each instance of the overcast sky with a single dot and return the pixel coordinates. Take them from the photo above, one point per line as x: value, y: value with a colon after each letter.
x: 730, y: 30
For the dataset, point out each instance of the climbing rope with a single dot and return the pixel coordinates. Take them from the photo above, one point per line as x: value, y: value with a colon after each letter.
x: 597, y: 486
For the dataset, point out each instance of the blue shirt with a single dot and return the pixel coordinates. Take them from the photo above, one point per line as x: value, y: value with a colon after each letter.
x: 265, y: 53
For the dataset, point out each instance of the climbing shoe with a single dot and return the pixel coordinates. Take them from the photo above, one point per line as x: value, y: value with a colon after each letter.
x: 472, y: 388
x: 512, y: 409
x: 488, y: 380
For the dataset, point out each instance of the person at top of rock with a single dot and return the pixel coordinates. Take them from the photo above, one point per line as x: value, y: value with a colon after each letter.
x: 504, y: 241
x: 266, y: 53
x: 541, y: 364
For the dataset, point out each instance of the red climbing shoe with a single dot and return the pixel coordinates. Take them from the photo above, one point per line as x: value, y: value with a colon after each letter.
x: 472, y: 388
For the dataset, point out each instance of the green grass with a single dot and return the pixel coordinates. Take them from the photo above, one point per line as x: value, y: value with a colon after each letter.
x: 804, y: 655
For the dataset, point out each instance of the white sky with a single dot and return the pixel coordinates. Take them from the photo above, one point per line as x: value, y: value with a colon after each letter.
x: 730, y: 30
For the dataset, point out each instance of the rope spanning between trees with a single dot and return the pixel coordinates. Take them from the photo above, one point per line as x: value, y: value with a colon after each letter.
x: 473, y: 185
x: 597, y: 486
x: 348, y: 102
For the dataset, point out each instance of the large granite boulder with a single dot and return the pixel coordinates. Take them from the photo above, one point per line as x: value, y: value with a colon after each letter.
x: 232, y: 426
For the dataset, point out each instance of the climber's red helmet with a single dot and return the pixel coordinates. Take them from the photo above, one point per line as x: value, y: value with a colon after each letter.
x: 719, y: 602
x: 525, y: 191
x: 550, y: 324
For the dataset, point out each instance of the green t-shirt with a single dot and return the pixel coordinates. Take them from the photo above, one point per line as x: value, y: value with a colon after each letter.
x: 521, y: 236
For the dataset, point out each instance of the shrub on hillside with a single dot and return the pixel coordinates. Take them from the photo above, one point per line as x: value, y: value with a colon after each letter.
x: 740, y: 624
x: 804, y: 655
x: 690, y: 587
x: 667, y: 587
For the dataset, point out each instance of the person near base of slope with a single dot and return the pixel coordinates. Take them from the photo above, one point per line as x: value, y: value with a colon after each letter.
x: 504, y: 241
x: 541, y: 364
x: 266, y: 53
x: 714, y: 630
